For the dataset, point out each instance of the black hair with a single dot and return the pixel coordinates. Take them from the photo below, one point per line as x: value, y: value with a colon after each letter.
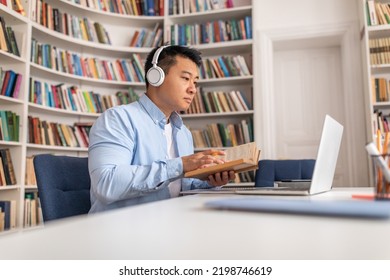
x: 167, y: 58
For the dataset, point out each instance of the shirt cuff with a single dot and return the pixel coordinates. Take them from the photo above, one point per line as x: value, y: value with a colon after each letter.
x: 175, y: 168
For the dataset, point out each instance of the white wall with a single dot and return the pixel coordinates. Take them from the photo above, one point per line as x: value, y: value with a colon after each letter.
x: 281, y: 16
x: 280, y: 13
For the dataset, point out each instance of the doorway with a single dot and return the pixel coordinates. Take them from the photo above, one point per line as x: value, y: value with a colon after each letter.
x: 309, y: 75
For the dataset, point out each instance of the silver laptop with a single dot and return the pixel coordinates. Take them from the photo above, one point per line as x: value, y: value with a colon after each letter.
x: 324, y: 168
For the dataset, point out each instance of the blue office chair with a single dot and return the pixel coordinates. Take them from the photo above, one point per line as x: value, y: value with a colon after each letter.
x: 63, y: 185
x: 270, y: 171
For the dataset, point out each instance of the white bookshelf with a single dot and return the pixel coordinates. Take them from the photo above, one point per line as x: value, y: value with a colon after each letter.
x: 121, y: 29
x: 373, y: 69
x: 212, y: 50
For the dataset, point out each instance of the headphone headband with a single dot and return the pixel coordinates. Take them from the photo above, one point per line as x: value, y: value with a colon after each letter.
x: 157, y: 54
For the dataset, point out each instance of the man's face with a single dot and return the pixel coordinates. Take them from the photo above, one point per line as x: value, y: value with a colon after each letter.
x: 179, y: 87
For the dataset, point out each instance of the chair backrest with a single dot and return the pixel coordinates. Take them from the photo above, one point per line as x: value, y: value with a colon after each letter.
x: 270, y: 171
x: 63, y: 185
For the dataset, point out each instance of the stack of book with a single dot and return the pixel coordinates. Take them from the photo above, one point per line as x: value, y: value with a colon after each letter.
x: 218, y: 102
x: 223, y: 135
x: 7, y: 214
x: 42, y: 132
x: 224, y: 66
x: 8, y: 41
x: 125, y: 7
x: 9, y: 126
x: 147, y: 38
x: 73, y: 98
x: 127, y: 70
x: 10, y: 83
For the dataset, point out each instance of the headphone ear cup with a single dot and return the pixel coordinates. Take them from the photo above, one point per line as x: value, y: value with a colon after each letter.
x: 155, y: 76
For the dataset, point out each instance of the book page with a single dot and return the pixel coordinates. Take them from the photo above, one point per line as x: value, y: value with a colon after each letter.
x: 245, y: 151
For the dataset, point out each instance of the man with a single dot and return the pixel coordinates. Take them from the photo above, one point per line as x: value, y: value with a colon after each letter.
x: 139, y: 152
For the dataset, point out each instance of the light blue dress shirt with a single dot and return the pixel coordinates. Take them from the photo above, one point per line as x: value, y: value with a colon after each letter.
x: 128, y: 160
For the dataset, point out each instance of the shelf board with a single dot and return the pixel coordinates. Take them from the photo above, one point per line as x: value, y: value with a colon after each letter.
x: 9, y: 187
x: 10, y: 57
x: 222, y: 114
x: 56, y: 148
x: 10, y: 100
x: 10, y: 143
x: 381, y: 104
x: 212, y: 14
x: 41, y: 31
x: 43, y: 108
x: 11, y: 15
x: 236, y: 80
x: 86, y: 79
x: 115, y: 15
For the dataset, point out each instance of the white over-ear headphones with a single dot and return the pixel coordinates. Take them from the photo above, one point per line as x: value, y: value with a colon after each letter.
x: 155, y: 74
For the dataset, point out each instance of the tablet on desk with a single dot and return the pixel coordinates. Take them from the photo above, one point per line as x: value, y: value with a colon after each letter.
x: 336, y: 208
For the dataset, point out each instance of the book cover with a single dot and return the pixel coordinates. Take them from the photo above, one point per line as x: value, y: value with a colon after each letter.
x: 17, y: 85
x: 5, y: 43
x: 5, y: 207
x: 3, y: 182
x: 5, y: 82
x: 18, y: 7
x: 4, y: 125
x: 10, y: 122
x: 134, y: 39
x: 13, y: 43
x: 11, y: 84
x: 238, y: 166
x: 3, y: 155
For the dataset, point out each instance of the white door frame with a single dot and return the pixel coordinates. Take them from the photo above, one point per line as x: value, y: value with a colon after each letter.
x: 344, y: 35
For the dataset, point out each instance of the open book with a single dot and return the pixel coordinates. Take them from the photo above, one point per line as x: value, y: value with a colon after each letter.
x: 239, y: 158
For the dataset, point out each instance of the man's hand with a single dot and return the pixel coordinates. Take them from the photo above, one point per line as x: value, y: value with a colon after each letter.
x: 207, y: 158
x: 202, y: 159
x: 221, y: 178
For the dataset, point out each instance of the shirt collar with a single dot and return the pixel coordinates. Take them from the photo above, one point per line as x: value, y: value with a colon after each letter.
x: 157, y: 115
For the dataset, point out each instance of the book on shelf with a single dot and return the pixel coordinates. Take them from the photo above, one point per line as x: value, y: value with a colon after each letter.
x: 9, y: 125
x: 18, y: 7
x: 30, y: 178
x: 2, y: 220
x: 11, y: 84
x: 6, y: 3
x: 3, y: 180
x: 32, y: 210
x: 239, y: 159
x: 13, y: 45
x: 8, y: 207
x: 211, y: 136
x: 8, y: 166
x: 4, y: 44
x: 380, y: 89
x: 134, y: 39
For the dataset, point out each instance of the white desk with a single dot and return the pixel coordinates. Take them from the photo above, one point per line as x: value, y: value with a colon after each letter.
x: 182, y: 228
